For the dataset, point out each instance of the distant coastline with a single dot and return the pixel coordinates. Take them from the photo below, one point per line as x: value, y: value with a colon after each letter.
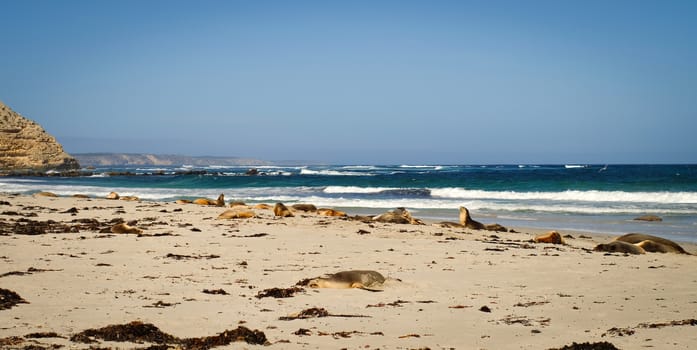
x: 148, y: 159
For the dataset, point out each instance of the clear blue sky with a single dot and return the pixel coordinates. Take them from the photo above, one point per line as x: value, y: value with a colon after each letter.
x: 359, y: 81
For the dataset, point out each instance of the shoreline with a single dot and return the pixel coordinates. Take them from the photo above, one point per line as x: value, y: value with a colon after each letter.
x: 539, y: 296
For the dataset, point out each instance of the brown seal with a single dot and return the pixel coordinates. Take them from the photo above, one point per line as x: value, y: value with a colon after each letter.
x: 640, y: 237
x: 619, y: 247
x: 331, y: 212
x: 550, y: 237
x: 220, y: 202
x: 655, y: 247
x: 363, y: 279
x: 125, y: 228
x: 45, y: 194
x: 398, y: 216
x: 238, y: 213
x: 112, y: 195
x: 467, y: 221
x: 304, y: 207
x: 129, y: 198
x: 281, y: 210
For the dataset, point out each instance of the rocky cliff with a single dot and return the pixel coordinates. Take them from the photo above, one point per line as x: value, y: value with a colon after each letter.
x: 26, y: 147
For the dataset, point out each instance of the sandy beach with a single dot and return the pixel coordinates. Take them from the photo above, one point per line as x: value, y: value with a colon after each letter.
x: 192, y: 276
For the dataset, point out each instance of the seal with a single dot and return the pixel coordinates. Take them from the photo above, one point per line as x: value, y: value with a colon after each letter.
x: 331, y: 212
x: 655, y: 247
x: 363, y: 279
x: 398, y: 216
x: 184, y: 201
x: 262, y: 206
x: 304, y: 207
x: 640, y: 237
x: 45, y: 194
x: 129, y: 198
x: 281, y: 210
x: 239, y: 213
x: 619, y: 247
x: 125, y: 228
x: 550, y: 237
x: 467, y: 221
x: 112, y: 195
x: 220, y: 202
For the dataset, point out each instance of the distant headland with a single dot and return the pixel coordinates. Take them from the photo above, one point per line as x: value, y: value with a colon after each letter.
x: 148, y: 159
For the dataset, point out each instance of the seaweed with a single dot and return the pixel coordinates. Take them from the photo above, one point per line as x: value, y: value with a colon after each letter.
x: 279, y: 292
x: 9, y: 299
x: 139, y: 332
x: 135, y: 332
x: 589, y: 346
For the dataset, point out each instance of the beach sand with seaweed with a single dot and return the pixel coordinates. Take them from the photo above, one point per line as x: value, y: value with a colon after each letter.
x: 191, y: 281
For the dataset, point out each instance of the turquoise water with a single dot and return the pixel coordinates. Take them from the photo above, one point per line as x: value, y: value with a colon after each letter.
x: 596, y: 198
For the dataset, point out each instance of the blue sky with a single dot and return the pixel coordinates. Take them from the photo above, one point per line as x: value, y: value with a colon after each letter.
x: 360, y: 81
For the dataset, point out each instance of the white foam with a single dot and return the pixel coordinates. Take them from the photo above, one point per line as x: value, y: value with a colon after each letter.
x: 325, y: 172
x: 584, y: 196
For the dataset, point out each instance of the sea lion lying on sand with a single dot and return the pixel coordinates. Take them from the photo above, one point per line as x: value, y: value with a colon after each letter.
x: 656, y: 244
x: 220, y: 202
x: 398, y: 216
x: 331, y: 212
x: 363, y: 279
x: 240, y: 213
x: 281, y: 210
x: 112, y: 195
x: 305, y: 207
x: 125, y: 228
x: 619, y: 247
x: 550, y: 237
x: 45, y: 194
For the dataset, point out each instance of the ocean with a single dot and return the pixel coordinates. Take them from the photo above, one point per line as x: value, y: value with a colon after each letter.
x: 591, y: 198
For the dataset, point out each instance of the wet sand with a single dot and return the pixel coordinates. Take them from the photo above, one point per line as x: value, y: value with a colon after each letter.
x: 202, y: 282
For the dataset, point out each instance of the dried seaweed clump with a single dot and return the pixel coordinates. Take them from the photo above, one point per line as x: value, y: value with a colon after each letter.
x: 135, y: 332
x: 279, y: 292
x: 9, y: 298
x: 139, y: 332
x: 589, y: 346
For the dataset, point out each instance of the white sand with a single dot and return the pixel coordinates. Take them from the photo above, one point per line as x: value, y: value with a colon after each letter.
x: 540, y: 295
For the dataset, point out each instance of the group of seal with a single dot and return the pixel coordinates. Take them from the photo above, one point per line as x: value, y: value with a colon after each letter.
x: 639, y: 243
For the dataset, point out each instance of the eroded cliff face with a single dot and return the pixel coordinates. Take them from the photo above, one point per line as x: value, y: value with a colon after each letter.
x: 26, y: 146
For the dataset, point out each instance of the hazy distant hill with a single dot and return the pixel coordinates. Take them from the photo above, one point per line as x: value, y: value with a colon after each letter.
x: 121, y: 159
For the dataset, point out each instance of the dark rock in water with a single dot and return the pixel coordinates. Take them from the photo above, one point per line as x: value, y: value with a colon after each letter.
x: 650, y: 218
x: 252, y: 171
